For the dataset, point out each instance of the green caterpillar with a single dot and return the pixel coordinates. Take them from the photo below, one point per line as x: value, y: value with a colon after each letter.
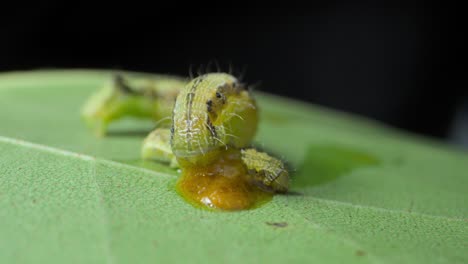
x: 213, y: 116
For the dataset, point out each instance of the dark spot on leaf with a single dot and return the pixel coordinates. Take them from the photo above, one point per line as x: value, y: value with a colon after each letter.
x: 277, y: 224
x: 360, y: 253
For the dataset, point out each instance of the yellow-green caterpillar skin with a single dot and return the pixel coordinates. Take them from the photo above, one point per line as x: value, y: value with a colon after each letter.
x: 212, y: 112
x: 266, y: 171
x: 136, y: 97
x: 156, y: 147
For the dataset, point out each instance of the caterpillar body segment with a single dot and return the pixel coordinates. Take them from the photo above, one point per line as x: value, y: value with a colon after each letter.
x: 123, y: 97
x: 265, y: 171
x: 157, y: 147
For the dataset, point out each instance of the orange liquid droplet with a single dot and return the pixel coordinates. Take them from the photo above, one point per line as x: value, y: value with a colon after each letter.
x: 222, y: 184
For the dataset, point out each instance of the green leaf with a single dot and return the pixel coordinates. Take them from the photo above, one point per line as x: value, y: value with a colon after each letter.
x: 362, y: 192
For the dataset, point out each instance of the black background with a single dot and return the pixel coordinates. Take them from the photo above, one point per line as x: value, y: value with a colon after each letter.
x: 393, y: 64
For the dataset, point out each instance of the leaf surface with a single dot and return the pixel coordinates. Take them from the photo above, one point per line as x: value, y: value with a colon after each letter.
x: 362, y: 192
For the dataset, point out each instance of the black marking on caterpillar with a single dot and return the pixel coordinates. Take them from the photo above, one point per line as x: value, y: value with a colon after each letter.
x: 211, y: 128
x: 220, y: 94
x: 122, y: 85
x: 209, y: 106
x: 172, y: 125
x: 189, y: 100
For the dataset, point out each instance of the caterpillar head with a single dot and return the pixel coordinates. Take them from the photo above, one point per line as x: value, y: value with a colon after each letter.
x: 265, y: 171
x: 211, y: 113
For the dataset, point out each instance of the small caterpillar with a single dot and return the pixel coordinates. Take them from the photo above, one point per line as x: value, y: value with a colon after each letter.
x: 214, y: 120
x: 266, y: 171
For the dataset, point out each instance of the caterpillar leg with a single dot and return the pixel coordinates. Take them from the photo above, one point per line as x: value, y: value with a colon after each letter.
x: 157, y: 147
x: 267, y: 172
